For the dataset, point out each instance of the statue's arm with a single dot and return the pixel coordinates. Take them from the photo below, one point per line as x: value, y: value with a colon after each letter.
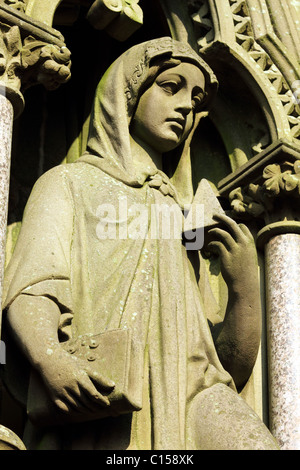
x: 34, y: 322
x: 38, y: 287
x: 237, y: 338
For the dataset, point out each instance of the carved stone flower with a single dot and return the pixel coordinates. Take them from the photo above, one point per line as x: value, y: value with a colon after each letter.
x: 292, y: 180
x: 247, y: 201
x: 273, y: 176
x: 283, y: 178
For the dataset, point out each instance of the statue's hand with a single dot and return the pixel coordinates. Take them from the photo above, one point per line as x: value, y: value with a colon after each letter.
x: 235, y: 246
x: 237, y: 338
x: 71, y: 385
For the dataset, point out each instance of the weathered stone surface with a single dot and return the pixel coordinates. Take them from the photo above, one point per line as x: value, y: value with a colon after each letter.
x: 253, y: 46
x: 6, y: 122
x: 283, y: 306
x: 9, y: 440
x: 51, y: 296
x: 223, y: 416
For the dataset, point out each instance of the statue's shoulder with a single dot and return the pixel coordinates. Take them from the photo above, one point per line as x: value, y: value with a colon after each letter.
x: 55, y: 174
x: 65, y: 173
x: 55, y: 183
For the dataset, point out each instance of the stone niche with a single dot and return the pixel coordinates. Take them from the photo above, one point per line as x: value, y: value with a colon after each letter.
x: 247, y: 148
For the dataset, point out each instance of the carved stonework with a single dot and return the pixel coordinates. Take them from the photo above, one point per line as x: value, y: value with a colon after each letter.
x: 19, y: 5
x: 119, y: 18
x: 32, y: 61
x: 10, y: 55
x: 238, y: 24
x: 44, y: 63
x: 277, y: 198
x: 10, y: 65
x: 268, y: 188
x: 203, y: 23
x: 27, y: 59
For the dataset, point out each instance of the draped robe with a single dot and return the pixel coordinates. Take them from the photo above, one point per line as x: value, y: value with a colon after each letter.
x: 145, y: 284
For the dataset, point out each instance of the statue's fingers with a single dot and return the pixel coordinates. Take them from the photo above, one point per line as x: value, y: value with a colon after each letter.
x: 62, y: 406
x: 246, y: 231
x: 230, y: 224
x: 80, y: 400
x: 100, y: 380
x: 217, y: 248
x: 221, y: 236
x: 90, y: 389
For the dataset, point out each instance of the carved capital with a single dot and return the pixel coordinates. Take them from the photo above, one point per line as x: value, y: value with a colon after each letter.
x: 267, y: 188
x: 30, y: 53
x: 10, y: 65
x: 275, y: 199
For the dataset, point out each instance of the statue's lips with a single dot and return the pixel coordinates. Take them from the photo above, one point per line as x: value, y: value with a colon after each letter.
x: 179, y: 122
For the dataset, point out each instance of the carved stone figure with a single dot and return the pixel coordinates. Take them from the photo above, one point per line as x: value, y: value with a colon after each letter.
x: 105, y: 309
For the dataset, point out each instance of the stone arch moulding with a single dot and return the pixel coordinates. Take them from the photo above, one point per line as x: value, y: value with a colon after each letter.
x: 227, y: 32
x: 266, y: 95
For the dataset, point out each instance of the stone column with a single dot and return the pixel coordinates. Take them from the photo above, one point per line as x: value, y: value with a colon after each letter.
x: 6, y: 121
x: 282, y: 274
x: 11, y: 106
x: 266, y: 191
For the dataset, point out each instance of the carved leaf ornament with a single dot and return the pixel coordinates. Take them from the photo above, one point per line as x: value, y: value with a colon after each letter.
x: 281, y: 180
x: 10, y: 61
x: 50, y: 62
x: 246, y: 202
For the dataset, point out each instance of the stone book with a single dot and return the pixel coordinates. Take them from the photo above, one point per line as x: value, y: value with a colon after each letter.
x: 114, y: 355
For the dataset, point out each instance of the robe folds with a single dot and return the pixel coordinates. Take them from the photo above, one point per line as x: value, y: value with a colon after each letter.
x: 146, y: 284
x: 143, y: 283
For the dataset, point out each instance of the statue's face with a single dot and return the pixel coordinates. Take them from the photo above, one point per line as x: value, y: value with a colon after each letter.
x: 165, y: 113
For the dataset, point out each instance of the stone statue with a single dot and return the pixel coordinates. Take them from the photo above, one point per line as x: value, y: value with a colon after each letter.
x: 113, y: 326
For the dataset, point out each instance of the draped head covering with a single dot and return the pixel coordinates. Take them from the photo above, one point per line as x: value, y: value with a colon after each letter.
x: 116, y: 99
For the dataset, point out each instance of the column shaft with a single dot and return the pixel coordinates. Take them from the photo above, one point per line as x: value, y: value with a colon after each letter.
x: 283, y: 327
x: 6, y: 124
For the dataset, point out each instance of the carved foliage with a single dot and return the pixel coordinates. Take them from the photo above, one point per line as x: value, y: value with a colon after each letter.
x: 24, y: 63
x: 276, y: 198
x: 44, y: 63
x: 10, y: 57
x: 119, y: 18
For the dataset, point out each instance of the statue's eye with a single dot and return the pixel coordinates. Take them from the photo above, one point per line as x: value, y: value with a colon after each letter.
x: 170, y: 86
x: 198, y: 100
